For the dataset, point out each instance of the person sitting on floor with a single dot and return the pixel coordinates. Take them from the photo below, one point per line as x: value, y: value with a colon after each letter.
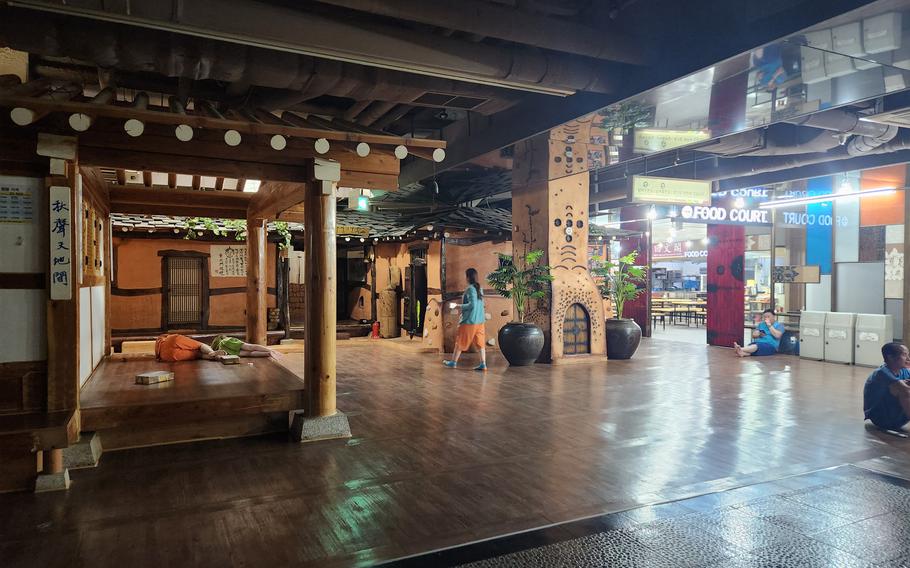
x: 886, y: 394
x: 766, y: 337
x: 175, y: 347
x: 234, y: 346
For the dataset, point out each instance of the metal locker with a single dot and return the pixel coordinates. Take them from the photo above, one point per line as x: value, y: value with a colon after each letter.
x: 872, y: 331
x: 839, y: 334
x: 812, y: 335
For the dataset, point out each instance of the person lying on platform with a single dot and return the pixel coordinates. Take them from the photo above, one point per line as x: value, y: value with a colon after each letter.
x: 886, y: 394
x: 175, y: 347
x: 234, y: 346
x: 766, y: 337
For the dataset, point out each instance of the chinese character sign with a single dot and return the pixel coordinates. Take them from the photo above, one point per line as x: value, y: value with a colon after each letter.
x: 61, y: 228
x: 228, y: 260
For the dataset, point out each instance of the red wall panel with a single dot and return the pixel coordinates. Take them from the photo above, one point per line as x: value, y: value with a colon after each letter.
x: 726, y: 288
x: 640, y: 308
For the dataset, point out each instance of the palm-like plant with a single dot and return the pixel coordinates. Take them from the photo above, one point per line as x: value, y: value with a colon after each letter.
x: 620, y: 281
x: 521, y: 283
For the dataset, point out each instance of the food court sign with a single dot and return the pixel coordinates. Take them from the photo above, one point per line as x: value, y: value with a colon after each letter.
x: 725, y: 215
x: 658, y: 190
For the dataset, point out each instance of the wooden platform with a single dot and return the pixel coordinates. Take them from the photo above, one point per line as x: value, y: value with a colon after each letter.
x: 205, y: 400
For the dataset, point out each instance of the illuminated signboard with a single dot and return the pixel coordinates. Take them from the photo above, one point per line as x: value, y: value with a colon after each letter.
x: 649, y: 189
x: 725, y: 215
x: 657, y: 139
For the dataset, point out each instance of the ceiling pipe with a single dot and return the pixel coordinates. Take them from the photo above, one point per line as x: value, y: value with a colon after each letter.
x: 275, y: 28
x: 721, y: 169
x: 842, y: 121
x: 509, y: 24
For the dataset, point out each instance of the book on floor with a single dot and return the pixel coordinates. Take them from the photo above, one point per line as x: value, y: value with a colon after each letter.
x: 229, y: 359
x: 154, y: 377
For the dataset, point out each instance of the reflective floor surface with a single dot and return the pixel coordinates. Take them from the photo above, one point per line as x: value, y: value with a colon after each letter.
x: 843, y: 517
x: 446, y: 457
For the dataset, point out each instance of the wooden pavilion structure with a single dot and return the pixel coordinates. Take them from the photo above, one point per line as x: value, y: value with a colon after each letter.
x: 82, y: 146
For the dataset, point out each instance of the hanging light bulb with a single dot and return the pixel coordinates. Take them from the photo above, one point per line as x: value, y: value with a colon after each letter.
x: 706, y: 241
x: 652, y: 213
x: 739, y: 202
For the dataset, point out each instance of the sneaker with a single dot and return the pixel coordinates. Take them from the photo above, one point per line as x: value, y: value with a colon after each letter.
x: 449, y: 364
x: 481, y: 367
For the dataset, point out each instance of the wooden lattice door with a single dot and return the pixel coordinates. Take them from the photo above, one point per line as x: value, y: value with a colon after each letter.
x: 576, y: 331
x: 185, y: 277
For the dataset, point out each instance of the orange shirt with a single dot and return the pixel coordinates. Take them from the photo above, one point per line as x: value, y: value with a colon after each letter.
x: 174, y: 347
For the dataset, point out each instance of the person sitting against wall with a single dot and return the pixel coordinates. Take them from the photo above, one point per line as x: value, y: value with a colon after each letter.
x: 234, y: 346
x: 766, y: 337
x: 886, y: 394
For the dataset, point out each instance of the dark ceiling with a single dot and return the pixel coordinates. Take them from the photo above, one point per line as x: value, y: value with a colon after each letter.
x: 480, y: 74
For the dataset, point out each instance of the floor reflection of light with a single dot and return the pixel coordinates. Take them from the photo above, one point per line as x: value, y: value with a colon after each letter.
x: 665, y: 460
x: 766, y: 408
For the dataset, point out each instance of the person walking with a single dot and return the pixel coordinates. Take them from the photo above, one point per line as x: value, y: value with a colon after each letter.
x: 471, y: 323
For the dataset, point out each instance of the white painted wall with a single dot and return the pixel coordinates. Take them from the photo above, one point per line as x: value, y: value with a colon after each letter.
x: 85, y: 334
x: 818, y: 296
x: 23, y: 335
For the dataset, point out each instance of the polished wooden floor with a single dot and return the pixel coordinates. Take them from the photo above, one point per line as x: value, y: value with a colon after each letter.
x: 442, y: 457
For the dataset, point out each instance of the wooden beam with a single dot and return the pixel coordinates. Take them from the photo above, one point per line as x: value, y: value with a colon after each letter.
x: 366, y: 180
x: 161, y: 116
x: 227, y: 205
x: 256, y: 285
x: 197, y: 182
x: 172, y: 180
x: 147, y: 178
x: 182, y: 164
x: 275, y: 197
x: 219, y: 183
x: 121, y: 177
x: 158, y: 139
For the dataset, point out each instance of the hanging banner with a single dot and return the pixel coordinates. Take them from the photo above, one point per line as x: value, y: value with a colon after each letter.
x: 658, y: 190
x: 61, y: 229
x: 228, y: 260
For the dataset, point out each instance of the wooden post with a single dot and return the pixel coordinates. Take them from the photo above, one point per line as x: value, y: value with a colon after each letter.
x: 63, y: 314
x: 320, y: 284
x: 256, y: 283
x: 53, y: 461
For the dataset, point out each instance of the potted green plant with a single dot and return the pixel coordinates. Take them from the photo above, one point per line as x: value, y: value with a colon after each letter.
x: 621, y: 281
x: 520, y: 341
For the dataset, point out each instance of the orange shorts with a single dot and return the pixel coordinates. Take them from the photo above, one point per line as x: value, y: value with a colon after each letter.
x: 176, y: 347
x: 470, y: 334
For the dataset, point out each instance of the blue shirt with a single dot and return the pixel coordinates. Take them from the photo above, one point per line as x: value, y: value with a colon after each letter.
x: 471, y: 307
x: 879, y: 405
x: 767, y: 337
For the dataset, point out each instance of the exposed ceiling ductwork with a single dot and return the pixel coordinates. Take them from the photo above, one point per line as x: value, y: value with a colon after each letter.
x: 515, y: 25
x: 288, y: 79
x: 775, y: 148
x: 247, y: 23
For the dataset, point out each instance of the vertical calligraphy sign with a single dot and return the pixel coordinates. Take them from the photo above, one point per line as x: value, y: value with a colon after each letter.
x: 61, y: 229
